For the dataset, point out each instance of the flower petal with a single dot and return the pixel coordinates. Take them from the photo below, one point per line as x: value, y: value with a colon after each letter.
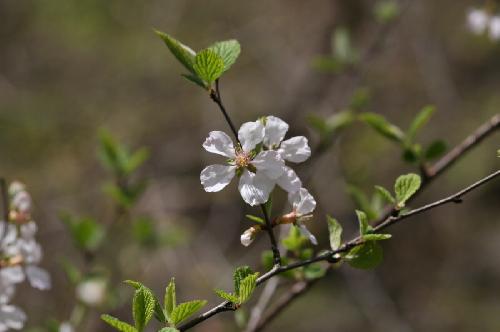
x: 302, y: 201
x: 251, y: 134
x: 219, y: 142
x: 38, y: 278
x: 216, y: 177
x: 255, y: 188
x: 12, y: 316
x: 305, y: 232
x: 295, y: 149
x: 12, y: 275
x: 289, y: 180
x: 275, y: 131
x: 270, y: 163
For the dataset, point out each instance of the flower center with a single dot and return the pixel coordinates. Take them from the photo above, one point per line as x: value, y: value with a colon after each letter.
x: 242, y: 159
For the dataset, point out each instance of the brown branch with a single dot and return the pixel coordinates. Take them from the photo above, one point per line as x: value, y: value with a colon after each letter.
x: 334, y: 256
x: 5, y: 199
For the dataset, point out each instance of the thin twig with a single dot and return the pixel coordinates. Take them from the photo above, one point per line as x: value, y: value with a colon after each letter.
x: 334, y: 256
x: 272, y: 238
x: 5, y: 199
x: 216, y: 97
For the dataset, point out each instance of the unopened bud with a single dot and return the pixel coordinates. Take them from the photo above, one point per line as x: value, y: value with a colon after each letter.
x: 249, y: 235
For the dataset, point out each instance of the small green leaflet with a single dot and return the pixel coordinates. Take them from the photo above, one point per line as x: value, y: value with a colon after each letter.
x: 226, y: 296
x: 170, y: 299
x: 405, y: 187
x: 335, y: 230
x: 385, y: 194
x: 184, y: 54
x: 228, y: 50
x: 185, y: 310
x: 239, y: 274
x: 366, y: 256
x: 256, y: 219
x: 118, y: 324
x: 246, y: 287
x: 383, y: 127
x: 376, y: 237
x: 364, y: 227
x: 420, y: 120
x: 143, y: 307
x: 169, y: 329
x: 435, y: 150
x: 208, y: 65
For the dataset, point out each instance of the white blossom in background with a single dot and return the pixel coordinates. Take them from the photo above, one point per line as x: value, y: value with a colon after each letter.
x: 478, y: 20
x: 495, y: 28
x: 303, y: 204
x: 257, y: 170
x: 92, y: 291
x: 66, y: 327
x: 20, y: 255
x: 295, y: 150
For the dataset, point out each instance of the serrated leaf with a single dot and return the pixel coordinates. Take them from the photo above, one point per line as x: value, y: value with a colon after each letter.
x: 170, y: 301
x: 247, y: 286
x: 208, y: 65
x: 118, y: 324
x: 364, y: 227
x: 228, y: 50
x: 384, y: 193
x: 182, y: 53
x: 383, y: 127
x: 335, y: 230
x: 405, y: 187
x: 366, y: 256
x: 435, y: 150
x: 143, y: 307
x: 226, y: 296
x: 376, y: 237
x: 185, y: 310
x: 239, y: 274
x: 419, y: 121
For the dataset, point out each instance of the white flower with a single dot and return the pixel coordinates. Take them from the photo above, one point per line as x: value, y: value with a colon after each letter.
x: 66, y: 327
x: 295, y: 149
x: 92, y: 291
x: 11, y: 317
x: 303, y: 204
x: 495, y: 28
x: 477, y: 20
x: 258, y: 172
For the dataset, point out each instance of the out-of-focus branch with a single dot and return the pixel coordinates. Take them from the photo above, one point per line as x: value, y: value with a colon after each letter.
x: 334, y: 256
x: 5, y: 199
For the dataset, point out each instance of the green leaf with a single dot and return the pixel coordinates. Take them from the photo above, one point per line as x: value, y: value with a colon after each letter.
x: 364, y: 227
x: 361, y: 200
x: 435, y: 150
x: 314, y: 271
x: 184, y: 54
x: 327, y: 64
x: 87, y: 234
x: 208, y: 65
x: 365, y: 256
x: 360, y: 99
x: 239, y: 274
x: 376, y: 237
x: 247, y: 286
x: 143, y: 307
x: 185, y: 310
x: 170, y: 301
x: 118, y: 324
x: 255, y: 219
x: 405, y: 187
x: 169, y: 329
x: 412, y: 154
x: 111, y: 153
x: 295, y: 240
x: 420, y: 120
x: 335, y: 230
x: 342, y: 48
x: 226, y: 296
x: 228, y: 50
x: 383, y: 127
x: 386, y: 10
x: 136, y: 160
x: 385, y: 194
x: 195, y: 79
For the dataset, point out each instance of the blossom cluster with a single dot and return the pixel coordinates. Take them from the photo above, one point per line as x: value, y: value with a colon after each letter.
x: 259, y: 161
x: 480, y: 21
x: 20, y: 255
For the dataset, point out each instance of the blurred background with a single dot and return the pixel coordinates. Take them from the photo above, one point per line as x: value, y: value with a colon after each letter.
x: 70, y: 68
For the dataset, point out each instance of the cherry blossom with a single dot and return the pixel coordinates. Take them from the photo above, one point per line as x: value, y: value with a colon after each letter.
x: 258, y: 171
x: 303, y: 204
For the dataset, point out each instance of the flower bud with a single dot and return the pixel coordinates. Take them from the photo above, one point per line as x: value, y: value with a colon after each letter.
x: 91, y: 291
x: 249, y: 235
